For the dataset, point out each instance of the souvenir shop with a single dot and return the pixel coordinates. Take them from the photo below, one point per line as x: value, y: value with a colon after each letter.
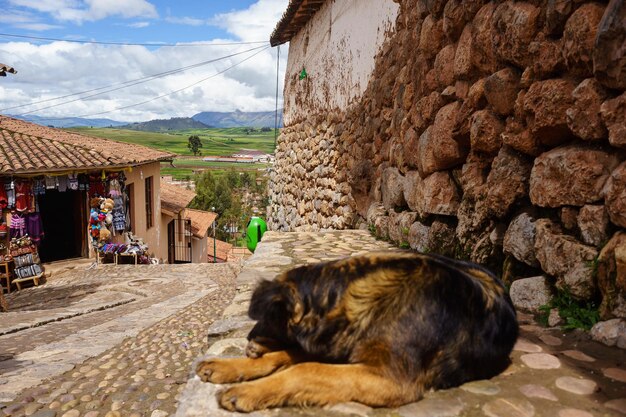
x: 59, y: 216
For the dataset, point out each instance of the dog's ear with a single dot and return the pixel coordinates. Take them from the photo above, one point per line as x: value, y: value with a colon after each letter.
x: 274, y: 300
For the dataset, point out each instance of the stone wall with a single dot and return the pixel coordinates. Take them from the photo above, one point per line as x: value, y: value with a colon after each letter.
x: 489, y: 131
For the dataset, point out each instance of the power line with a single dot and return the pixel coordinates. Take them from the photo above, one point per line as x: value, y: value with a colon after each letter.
x: 120, y: 86
x: 128, y: 43
x: 171, y: 92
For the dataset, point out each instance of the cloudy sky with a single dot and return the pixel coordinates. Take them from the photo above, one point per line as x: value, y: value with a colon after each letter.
x: 199, y: 55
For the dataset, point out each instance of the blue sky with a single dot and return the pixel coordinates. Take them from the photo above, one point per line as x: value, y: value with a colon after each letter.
x: 49, y: 69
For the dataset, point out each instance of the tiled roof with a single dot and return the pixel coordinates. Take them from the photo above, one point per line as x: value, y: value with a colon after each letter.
x: 27, y: 148
x: 298, y: 14
x: 222, y: 249
x: 201, y: 221
x: 4, y: 68
x: 174, y: 199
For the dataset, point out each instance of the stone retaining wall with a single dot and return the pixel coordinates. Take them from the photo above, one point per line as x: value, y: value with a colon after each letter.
x: 489, y: 131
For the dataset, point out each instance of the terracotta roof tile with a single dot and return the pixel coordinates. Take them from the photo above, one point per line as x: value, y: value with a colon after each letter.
x: 201, y: 221
x: 298, y: 14
x: 174, y: 199
x: 30, y: 148
x: 222, y: 249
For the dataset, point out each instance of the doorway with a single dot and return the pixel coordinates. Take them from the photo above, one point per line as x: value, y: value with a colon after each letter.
x: 63, y: 215
x: 179, y: 241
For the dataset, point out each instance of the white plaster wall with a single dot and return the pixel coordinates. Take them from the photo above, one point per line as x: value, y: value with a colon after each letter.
x: 337, y: 48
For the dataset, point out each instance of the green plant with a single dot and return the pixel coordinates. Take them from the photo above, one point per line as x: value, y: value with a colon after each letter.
x: 404, y: 245
x: 372, y: 229
x: 577, y: 314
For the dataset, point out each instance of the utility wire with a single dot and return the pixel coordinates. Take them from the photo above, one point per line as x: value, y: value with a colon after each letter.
x: 171, y: 92
x: 277, y: 81
x: 120, y: 86
x: 9, y: 35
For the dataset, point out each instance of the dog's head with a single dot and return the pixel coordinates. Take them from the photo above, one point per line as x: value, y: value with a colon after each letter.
x: 275, y: 305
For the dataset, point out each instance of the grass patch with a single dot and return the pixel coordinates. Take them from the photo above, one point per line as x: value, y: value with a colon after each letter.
x: 577, y: 314
x: 215, y: 142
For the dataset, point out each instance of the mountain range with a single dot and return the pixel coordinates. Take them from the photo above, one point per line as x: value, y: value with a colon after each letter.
x: 199, y: 121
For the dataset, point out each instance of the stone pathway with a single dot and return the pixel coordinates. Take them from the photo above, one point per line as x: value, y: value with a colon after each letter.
x: 121, y: 343
x: 553, y: 374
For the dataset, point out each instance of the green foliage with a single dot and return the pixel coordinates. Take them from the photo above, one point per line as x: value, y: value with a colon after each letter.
x: 194, y: 144
x: 404, y: 245
x: 577, y: 314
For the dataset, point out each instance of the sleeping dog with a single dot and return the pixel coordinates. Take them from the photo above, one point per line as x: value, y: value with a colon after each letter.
x: 380, y: 329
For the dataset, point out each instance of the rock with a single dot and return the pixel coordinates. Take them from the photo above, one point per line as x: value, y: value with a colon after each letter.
x: 618, y: 374
x: 519, y: 240
x: 538, y: 391
x: 578, y: 355
x: 615, y: 195
x: 610, y: 332
x: 579, y: 37
x: 570, y: 175
x: 611, y: 276
x: 545, y: 106
x: 381, y: 227
x: 609, y: 53
x: 439, y: 195
x: 541, y: 361
x: 557, y: 13
x: 418, y: 237
x: 399, y: 226
x: 618, y: 404
x: 501, y: 90
x: 509, y: 407
x: 554, y: 318
x: 593, y: 222
x: 438, y: 150
x: 375, y: 210
x: 392, y: 188
x: 432, y: 407
x: 518, y: 137
x: 351, y: 409
x: 441, y: 238
x: 453, y: 19
x: 613, y: 112
x: 424, y: 112
x: 474, y: 174
x: 485, y: 132
x: 507, y: 182
x: 583, y: 118
x: 482, y: 387
x: 414, y: 191
x: 515, y: 24
x: 529, y: 294
x: 569, y: 217
x: 567, y: 259
x: 547, y: 59
x: 580, y: 386
x: 444, y: 66
x: 483, y: 33
x: 523, y: 345
x: 432, y: 37
x: 463, y: 54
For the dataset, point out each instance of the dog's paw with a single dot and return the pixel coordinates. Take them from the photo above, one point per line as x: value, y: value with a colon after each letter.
x: 218, y: 371
x: 255, y: 350
x: 242, y: 398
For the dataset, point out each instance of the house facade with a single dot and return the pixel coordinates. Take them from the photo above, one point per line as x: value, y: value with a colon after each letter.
x: 58, y: 174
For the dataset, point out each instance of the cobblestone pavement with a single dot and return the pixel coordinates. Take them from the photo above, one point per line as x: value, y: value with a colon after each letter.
x: 553, y: 374
x: 113, y: 341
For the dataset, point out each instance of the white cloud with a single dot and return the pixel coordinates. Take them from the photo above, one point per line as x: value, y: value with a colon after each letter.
x: 61, y: 68
x: 89, y: 10
x: 255, y: 23
x: 189, y: 21
x: 139, y: 25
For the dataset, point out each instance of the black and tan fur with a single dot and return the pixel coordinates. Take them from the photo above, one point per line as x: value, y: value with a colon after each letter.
x: 379, y: 329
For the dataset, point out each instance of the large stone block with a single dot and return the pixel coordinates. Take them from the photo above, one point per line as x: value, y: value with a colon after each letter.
x: 565, y: 258
x: 519, y: 240
x: 571, y: 175
x: 611, y: 279
x: 609, y: 53
x: 485, y: 132
x: 463, y: 54
x: 483, y: 32
x: 507, y: 182
x: 392, y: 188
x: 501, y: 90
x: 579, y: 37
x: 444, y: 66
x: 557, y: 13
x: 518, y: 137
x: 615, y: 195
x: 593, y: 223
x: 418, y: 236
x: 528, y: 294
x: 436, y: 194
x: 545, y: 106
x: 453, y: 19
x: 432, y: 37
x: 474, y: 174
x: 614, y: 116
x: 516, y: 24
x: 583, y: 118
x: 438, y: 149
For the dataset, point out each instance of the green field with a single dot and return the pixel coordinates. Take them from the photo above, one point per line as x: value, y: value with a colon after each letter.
x: 215, y: 142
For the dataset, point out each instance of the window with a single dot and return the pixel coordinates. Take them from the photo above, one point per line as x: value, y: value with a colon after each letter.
x: 149, y: 206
